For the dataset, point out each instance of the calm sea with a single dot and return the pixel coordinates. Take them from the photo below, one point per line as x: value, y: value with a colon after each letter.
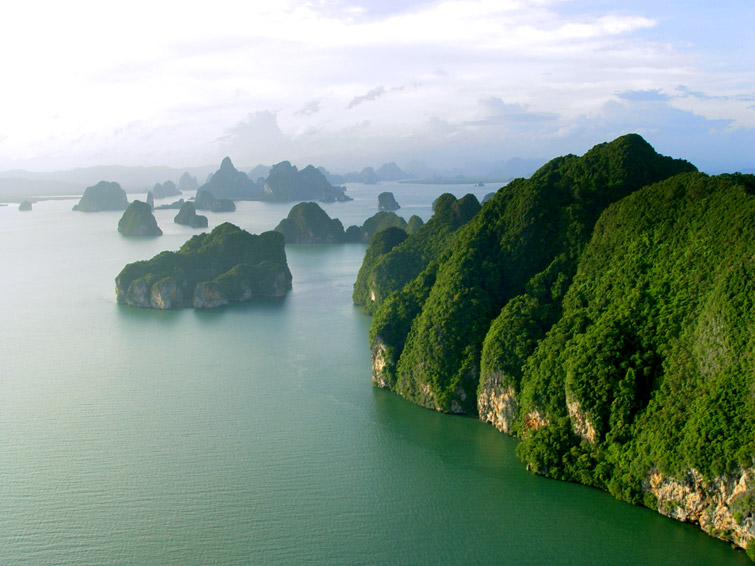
x: 251, y: 434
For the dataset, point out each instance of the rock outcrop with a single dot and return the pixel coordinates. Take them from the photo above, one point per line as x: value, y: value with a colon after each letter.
x: 723, y: 506
x: 138, y: 220
x: 386, y: 201
x: 210, y: 270
x: 24, y: 206
x: 497, y: 404
x: 102, y: 196
x: 307, y: 223
x: 188, y: 216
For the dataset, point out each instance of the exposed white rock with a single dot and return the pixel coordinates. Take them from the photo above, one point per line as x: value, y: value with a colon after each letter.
x: 723, y: 507
x: 497, y: 404
x: 580, y: 423
x: 379, y: 377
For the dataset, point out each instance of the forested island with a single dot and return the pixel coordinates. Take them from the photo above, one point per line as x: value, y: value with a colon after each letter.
x: 210, y: 270
x: 602, y: 312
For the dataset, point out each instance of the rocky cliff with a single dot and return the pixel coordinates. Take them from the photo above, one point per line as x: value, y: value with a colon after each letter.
x: 722, y: 506
x: 600, y: 311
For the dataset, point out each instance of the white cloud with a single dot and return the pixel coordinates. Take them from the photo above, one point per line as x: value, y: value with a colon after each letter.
x: 192, y: 73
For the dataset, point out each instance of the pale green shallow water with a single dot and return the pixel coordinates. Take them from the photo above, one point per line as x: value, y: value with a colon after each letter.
x: 251, y: 434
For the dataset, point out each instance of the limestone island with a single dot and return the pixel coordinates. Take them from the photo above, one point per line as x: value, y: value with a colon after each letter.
x: 205, y: 200
x: 166, y: 189
x: 386, y: 201
x: 138, y: 220
x: 307, y: 223
x: 104, y: 195
x: 210, y: 270
x: 188, y: 216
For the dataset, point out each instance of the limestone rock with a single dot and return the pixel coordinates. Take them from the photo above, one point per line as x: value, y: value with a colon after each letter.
x: 138, y: 220
x: 286, y: 183
x: 497, y: 403
x: 166, y: 189
x: 102, y: 196
x: 722, y: 506
x: 307, y: 223
x: 188, y: 216
x: 210, y: 270
x: 386, y: 201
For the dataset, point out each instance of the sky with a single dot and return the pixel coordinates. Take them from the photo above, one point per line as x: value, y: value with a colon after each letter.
x: 346, y: 84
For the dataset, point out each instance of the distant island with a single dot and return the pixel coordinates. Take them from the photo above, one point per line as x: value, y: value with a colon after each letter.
x: 187, y: 216
x: 386, y: 201
x: 307, y: 223
x: 602, y: 312
x: 457, y: 180
x: 284, y: 183
x: 166, y: 189
x: 210, y: 270
x: 102, y: 196
x: 368, y: 175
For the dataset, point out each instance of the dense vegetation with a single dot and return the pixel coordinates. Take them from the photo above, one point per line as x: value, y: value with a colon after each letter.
x: 654, y: 347
x: 227, y: 265
x: 307, y: 223
x: 379, y: 222
x: 383, y: 272
x: 600, y: 310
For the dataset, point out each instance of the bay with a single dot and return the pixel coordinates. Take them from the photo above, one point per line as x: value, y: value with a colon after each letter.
x: 251, y: 434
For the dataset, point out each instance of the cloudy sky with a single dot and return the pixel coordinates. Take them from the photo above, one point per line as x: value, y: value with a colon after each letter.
x: 346, y: 84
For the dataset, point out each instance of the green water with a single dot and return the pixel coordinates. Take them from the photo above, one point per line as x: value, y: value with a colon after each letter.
x: 251, y: 434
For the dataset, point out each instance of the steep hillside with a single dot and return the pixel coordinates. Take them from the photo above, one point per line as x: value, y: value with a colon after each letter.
x: 525, y: 240
x: 602, y: 311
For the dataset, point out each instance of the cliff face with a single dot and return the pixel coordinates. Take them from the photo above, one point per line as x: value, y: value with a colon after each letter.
x: 599, y: 311
x: 722, y: 506
x: 210, y: 270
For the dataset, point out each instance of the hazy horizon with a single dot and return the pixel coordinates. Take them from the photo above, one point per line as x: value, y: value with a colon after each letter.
x: 346, y: 85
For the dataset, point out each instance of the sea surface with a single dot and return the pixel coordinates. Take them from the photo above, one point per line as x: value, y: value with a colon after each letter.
x: 251, y: 434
